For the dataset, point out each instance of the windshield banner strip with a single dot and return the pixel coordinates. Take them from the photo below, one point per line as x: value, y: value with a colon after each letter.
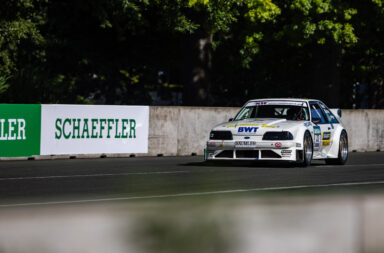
x: 256, y: 103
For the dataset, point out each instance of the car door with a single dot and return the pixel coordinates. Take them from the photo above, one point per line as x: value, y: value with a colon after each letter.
x: 323, y: 130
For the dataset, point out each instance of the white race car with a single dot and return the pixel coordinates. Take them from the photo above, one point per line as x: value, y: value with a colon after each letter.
x: 281, y: 129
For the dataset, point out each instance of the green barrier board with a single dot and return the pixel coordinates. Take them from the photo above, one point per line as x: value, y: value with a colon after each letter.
x: 19, y: 130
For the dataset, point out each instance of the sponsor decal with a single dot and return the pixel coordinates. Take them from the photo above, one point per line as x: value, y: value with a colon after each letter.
x: 238, y: 125
x: 251, y: 125
x: 16, y: 129
x: 247, y: 137
x: 19, y: 130
x: 298, y: 145
x: 246, y: 124
x: 211, y: 144
x: 286, y: 153
x: 326, y: 136
x: 90, y: 129
x: 245, y: 144
x: 326, y: 139
x: 317, y: 139
x: 307, y: 124
x: 85, y: 128
x: 247, y: 129
x: 265, y: 125
x: 257, y: 103
x: 27, y: 130
x: 278, y: 144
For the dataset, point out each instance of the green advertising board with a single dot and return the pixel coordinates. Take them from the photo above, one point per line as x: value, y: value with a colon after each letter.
x: 19, y: 130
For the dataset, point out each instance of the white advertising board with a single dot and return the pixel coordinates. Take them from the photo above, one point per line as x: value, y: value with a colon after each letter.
x: 93, y: 129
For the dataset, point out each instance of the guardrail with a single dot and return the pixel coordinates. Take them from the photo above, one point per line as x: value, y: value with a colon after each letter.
x: 93, y: 131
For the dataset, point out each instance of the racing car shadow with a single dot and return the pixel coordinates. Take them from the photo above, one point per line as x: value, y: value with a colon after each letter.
x: 268, y: 164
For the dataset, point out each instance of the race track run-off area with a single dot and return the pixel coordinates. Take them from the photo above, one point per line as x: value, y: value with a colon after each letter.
x: 55, y: 182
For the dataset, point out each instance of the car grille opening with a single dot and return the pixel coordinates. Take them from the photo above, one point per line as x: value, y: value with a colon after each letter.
x: 225, y: 154
x: 269, y: 154
x: 221, y: 135
x: 247, y: 153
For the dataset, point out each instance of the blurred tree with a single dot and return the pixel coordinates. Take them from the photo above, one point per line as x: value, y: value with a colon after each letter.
x: 208, y: 24
x: 299, y: 54
x: 222, y: 52
x: 363, y: 65
x: 20, y: 21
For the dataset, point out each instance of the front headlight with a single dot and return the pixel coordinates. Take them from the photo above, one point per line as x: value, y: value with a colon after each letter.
x: 277, y: 136
x: 220, y: 135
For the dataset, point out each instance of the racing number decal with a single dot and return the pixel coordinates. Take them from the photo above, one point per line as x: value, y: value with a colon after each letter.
x: 317, y: 133
x: 326, y: 139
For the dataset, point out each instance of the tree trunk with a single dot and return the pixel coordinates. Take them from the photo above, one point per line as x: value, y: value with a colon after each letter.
x: 197, y: 68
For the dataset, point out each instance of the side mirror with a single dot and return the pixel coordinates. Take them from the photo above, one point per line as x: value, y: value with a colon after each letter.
x: 316, y: 120
x: 336, y: 112
x: 231, y: 119
x: 339, y: 112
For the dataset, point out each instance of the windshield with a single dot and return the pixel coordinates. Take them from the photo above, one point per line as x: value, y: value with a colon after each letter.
x: 280, y: 111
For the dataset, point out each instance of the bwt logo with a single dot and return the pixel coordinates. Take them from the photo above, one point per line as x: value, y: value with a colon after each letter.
x: 247, y: 129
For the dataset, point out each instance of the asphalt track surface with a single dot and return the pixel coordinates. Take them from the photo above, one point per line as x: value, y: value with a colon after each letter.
x: 53, y: 182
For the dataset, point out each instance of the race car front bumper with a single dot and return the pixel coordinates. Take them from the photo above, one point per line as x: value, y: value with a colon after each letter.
x: 253, y: 150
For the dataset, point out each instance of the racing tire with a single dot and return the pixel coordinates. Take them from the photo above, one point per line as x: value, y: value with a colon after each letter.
x: 307, y: 150
x: 342, y: 156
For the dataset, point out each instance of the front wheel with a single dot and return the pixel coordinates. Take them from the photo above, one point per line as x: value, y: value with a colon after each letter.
x: 307, y: 150
x: 343, y: 151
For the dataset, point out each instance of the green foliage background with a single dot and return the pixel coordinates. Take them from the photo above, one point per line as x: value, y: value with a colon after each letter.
x: 111, y: 51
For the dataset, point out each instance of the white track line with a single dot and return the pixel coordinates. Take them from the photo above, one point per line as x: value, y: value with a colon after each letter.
x: 96, y: 175
x: 352, y: 165
x: 189, y: 194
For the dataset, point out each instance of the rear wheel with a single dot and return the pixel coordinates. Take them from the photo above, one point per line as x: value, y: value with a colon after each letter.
x: 343, y: 151
x: 307, y: 150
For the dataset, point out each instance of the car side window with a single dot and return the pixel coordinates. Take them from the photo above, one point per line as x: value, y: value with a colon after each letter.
x: 331, y: 118
x: 318, y: 116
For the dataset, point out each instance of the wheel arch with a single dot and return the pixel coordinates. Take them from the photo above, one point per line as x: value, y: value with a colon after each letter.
x: 299, y: 136
x: 334, y: 151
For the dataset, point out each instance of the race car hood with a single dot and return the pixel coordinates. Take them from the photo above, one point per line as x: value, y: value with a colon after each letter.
x: 260, y: 126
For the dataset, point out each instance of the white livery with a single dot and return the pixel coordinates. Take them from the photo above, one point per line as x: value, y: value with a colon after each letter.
x: 281, y: 129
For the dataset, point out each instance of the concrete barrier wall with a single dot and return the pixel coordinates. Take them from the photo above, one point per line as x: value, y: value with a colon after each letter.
x: 180, y: 131
x: 365, y: 129
x: 184, y: 130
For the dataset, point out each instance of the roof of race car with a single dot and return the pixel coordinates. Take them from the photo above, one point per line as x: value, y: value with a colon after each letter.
x: 284, y: 99
x: 281, y: 99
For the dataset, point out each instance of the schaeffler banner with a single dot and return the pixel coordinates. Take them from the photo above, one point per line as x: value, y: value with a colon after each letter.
x: 19, y: 130
x: 93, y: 129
